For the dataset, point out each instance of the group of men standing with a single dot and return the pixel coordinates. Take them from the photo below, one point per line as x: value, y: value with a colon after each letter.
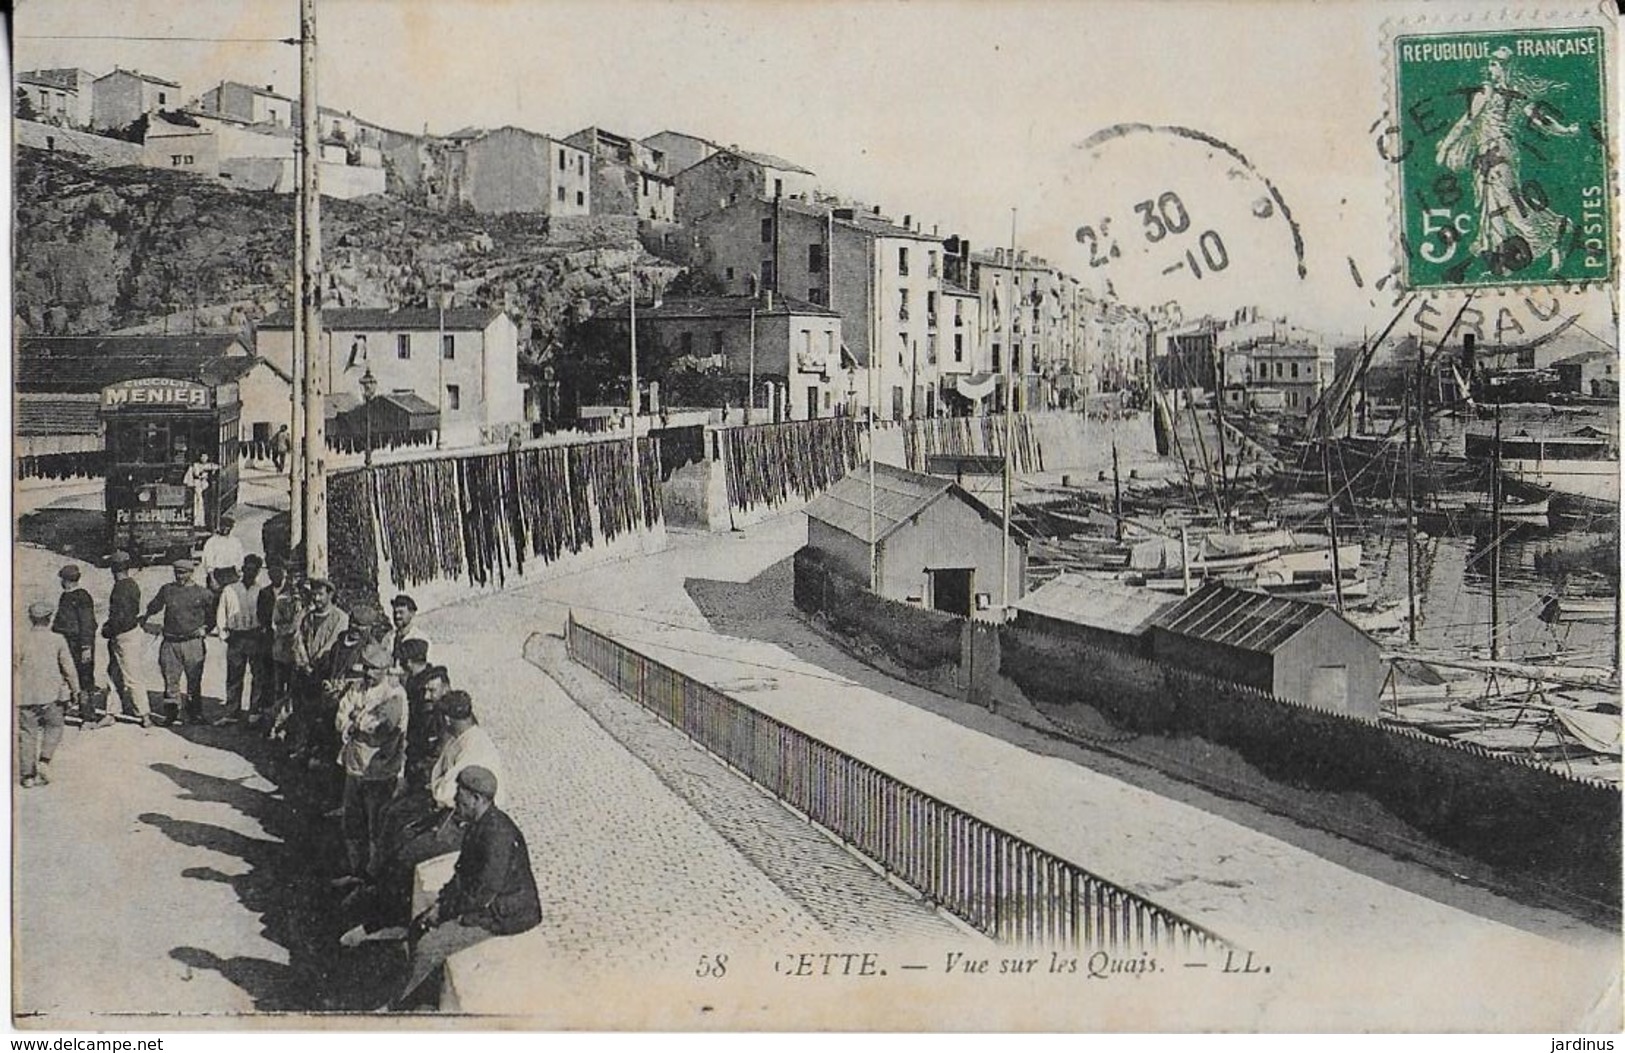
x: 420, y: 778
x: 345, y: 693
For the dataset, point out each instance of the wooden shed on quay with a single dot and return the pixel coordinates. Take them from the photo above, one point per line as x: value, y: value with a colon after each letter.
x: 1299, y: 651
x: 935, y: 545
x: 1094, y: 612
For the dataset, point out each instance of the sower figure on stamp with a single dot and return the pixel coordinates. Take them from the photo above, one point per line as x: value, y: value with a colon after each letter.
x: 75, y: 622
x: 122, y: 631
x: 187, y: 608
x: 492, y: 891
x: 1485, y: 141
x: 44, y: 678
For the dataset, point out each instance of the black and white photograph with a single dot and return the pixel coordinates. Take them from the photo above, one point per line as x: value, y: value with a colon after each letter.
x: 786, y: 516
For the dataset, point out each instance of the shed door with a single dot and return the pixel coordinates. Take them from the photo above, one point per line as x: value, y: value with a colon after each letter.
x: 1330, y: 688
x: 951, y: 590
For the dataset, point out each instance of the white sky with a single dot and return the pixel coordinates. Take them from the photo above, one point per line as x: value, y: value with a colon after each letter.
x: 951, y: 111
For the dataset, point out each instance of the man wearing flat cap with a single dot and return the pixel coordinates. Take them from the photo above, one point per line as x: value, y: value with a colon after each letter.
x: 372, y: 728
x: 75, y: 622
x: 492, y: 891
x: 403, y: 612
x: 43, y: 678
x: 122, y: 630
x: 318, y: 632
x: 187, y: 608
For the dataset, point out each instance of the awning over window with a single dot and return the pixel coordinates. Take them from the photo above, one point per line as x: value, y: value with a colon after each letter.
x: 977, y: 385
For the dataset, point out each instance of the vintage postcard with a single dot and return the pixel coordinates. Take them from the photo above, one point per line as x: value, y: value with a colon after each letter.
x: 845, y: 516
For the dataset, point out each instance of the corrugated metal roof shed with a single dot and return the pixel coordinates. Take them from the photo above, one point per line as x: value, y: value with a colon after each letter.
x: 1253, y: 621
x: 899, y: 496
x: 1109, y: 605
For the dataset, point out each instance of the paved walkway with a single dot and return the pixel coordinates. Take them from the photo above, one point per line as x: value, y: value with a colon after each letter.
x: 1346, y: 951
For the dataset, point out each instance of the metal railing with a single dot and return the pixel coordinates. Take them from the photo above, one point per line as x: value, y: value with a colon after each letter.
x: 991, y: 879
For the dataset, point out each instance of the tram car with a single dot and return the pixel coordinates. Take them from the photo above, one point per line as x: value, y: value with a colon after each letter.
x: 171, y: 463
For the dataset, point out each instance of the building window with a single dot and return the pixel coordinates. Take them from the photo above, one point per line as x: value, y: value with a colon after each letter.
x: 403, y: 345
x: 454, y: 396
x: 815, y: 259
x: 163, y: 99
x: 729, y: 274
x: 806, y: 342
x: 767, y: 230
x: 561, y: 160
x: 778, y: 188
x: 998, y: 359
x: 581, y: 165
x: 1294, y: 371
x: 581, y: 198
x: 959, y: 312
x: 686, y: 343
x: 769, y: 279
x: 931, y: 264
x: 930, y: 308
x: 902, y: 305
x: 561, y: 194
x: 448, y: 346
x: 902, y: 260
x: 959, y: 347
x: 815, y: 295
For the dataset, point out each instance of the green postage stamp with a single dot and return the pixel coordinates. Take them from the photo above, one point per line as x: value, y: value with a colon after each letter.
x: 1505, y: 178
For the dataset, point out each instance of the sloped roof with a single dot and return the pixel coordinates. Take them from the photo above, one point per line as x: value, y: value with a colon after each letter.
x: 415, y: 318
x: 1110, y: 605
x: 1252, y: 621
x: 149, y: 78
x: 89, y: 363
x: 1583, y: 357
x: 899, y: 496
x: 58, y: 416
x: 239, y: 366
x: 866, y: 222
x: 675, y: 307
x: 268, y: 93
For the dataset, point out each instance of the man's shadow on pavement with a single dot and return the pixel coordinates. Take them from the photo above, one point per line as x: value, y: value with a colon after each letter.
x: 285, y: 885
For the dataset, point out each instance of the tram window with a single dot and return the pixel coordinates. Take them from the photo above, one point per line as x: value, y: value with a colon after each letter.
x: 154, y: 447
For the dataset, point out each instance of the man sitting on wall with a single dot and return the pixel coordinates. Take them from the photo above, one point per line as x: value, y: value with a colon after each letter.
x: 492, y: 891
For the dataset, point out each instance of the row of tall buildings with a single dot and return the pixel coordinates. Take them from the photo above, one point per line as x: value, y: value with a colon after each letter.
x: 827, y: 304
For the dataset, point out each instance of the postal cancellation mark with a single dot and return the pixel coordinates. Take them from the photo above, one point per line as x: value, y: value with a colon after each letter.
x: 1504, y: 169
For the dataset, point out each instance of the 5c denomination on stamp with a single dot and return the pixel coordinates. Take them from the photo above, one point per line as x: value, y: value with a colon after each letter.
x: 1504, y: 174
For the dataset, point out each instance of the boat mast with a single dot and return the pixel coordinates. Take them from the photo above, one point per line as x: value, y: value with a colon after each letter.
x: 1224, y: 478
x: 1495, y: 541
x: 1331, y: 511
x: 1117, y: 490
x: 1410, y: 523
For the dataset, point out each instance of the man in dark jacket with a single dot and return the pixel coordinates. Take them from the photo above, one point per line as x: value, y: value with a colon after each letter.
x: 186, y: 608
x: 75, y: 622
x: 122, y: 630
x: 492, y: 891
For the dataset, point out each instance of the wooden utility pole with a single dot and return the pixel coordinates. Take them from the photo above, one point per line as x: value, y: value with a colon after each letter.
x: 296, y: 402
x: 637, y: 490
x: 315, y: 362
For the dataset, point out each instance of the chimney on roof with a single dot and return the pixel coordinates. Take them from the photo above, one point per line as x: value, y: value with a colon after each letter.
x: 877, y: 210
x: 767, y: 300
x: 270, y: 88
x: 908, y: 221
x: 933, y: 230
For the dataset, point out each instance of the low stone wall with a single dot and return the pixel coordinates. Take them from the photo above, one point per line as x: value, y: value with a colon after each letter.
x: 1534, y: 823
x: 99, y: 148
